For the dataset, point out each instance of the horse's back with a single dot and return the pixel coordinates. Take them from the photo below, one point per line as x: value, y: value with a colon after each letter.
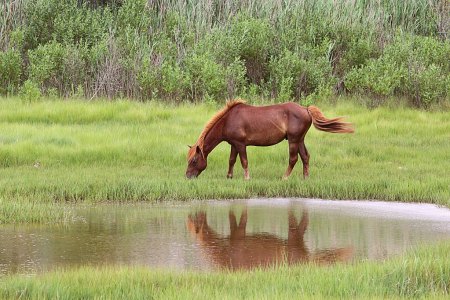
x: 250, y: 113
x: 265, y: 125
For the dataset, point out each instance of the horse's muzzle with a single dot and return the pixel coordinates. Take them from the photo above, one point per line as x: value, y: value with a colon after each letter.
x: 192, y: 175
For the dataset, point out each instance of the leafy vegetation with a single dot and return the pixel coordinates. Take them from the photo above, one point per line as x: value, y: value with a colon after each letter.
x: 207, y: 51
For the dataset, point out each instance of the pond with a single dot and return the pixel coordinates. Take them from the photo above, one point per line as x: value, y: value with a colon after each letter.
x: 211, y: 235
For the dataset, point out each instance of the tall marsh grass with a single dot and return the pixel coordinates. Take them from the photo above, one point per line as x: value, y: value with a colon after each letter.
x: 78, y: 151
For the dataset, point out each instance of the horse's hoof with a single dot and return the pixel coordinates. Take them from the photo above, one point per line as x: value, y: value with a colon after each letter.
x: 229, y: 177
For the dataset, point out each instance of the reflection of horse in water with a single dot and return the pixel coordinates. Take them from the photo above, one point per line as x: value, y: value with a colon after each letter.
x: 242, y: 251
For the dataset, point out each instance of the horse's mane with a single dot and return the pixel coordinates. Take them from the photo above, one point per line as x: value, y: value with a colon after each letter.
x: 217, y: 116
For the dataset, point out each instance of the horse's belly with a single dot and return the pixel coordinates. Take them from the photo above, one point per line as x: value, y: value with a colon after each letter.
x: 265, y: 140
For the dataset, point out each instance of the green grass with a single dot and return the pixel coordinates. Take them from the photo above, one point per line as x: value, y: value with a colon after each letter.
x: 129, y: 151
x: 424, y: 273
x: 27, y: 210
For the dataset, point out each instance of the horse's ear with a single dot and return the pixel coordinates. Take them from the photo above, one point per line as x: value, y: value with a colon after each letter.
x: 189, y: 147
x: 198, y: 150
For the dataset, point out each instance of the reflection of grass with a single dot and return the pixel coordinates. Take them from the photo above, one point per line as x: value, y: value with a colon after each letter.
x: 423, y: 273
x: 130, y: 151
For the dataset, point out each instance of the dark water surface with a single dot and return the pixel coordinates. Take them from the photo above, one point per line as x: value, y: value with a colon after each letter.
x: 215, y: 234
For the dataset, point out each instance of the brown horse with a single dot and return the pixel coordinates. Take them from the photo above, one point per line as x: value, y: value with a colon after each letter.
x: 243, y: 125
x: 241, y: 250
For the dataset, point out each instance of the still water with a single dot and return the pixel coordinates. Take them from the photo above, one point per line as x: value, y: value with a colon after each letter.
x: 216, y: 234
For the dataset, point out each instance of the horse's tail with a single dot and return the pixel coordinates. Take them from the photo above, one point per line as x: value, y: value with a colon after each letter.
x: 328, y: 125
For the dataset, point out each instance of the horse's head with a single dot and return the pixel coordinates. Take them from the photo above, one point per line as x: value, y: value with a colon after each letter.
x: 196, y: 164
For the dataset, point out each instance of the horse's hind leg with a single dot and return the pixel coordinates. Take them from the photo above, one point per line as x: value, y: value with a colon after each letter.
x: 304, y: 155
x: 293, y: 158
x: 233, y: 156
x: 243, y: 156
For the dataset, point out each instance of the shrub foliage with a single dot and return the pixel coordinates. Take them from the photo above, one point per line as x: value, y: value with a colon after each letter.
x: 210, y: 50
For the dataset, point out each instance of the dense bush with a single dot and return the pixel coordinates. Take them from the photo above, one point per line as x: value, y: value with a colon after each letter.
x: 11, y: 64
x: 195, y: 50
x: 417, y: 67
x: 65, y: 22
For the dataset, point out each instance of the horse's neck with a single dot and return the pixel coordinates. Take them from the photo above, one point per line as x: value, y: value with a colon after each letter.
x: 213, y: 138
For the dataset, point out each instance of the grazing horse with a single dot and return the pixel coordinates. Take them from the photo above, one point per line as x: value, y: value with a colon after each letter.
x: 242, y: 250
x: 243, y: 125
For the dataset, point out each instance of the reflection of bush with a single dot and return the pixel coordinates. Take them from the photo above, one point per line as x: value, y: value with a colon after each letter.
x: 186, y: 50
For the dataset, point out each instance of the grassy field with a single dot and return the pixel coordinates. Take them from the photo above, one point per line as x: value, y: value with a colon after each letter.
x: 424, y: 273
x: 56, y: 152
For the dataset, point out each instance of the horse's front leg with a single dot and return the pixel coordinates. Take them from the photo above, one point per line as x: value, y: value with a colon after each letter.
x: 233, y: 156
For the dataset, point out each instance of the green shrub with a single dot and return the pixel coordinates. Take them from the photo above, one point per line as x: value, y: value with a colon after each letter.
x: 318, y: 74
x: 65, y: 22
x: 416, y: 67
x: 29, y: 91
x: 47, y: 64
x: 65, y: 67
x: 429, y: 84
x: 205, y: 77
x: 11, y: 64
x: 292, y: 74
x: 82, y: 25
x: 133, y: 25
x: 379, y: 77
x: 251, y: 39
x: 286, y: 72
x: 40, y: 16
x: 235, y: 78
x: 134, y: 15
x: 160, y: 78
x: 356, y: 54
x: 75, y: 69
x: 428, y: 70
